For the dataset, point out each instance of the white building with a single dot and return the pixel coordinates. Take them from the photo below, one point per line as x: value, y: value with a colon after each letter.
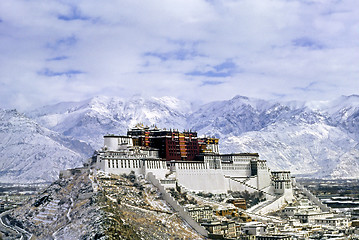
x: 253, y: 228
x: 213, y: 172
x: 312, y: 217
x: 337, y: 222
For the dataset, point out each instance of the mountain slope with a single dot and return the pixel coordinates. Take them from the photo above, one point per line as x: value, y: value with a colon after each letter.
x: 239, y: 115
x: 344, y: 113
x: 305, y: 149
x: 91, y: 119
x: 31, y: 153
x: 313, y: 139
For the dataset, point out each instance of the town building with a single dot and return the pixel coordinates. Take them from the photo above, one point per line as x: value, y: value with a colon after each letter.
x: 293, y: 210
x: 274, y: 237
x: 253, y: 228
x: 238, y: 202
x: 337, y: 222
x: 200, y: 213
x: 221, y: 229
x: 312, y: 217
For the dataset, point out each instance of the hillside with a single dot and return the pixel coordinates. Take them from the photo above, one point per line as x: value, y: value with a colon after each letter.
x: 32, y: 153
x: 99, y: 206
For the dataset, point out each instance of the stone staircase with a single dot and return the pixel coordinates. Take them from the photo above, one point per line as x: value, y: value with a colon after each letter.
x: 258, y: 207
x: 244, y: 182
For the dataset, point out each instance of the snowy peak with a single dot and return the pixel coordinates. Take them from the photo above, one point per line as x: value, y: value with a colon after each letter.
x: 343, y: 113
x: 31, y: 153
x: 174, y: 104
x: 336, y: 106
x: 242, y: 114
x: 255, y: 103
x: 59, y: 108
x: 91, y: 119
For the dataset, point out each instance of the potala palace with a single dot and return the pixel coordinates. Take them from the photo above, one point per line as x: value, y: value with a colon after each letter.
x: 194, y: 163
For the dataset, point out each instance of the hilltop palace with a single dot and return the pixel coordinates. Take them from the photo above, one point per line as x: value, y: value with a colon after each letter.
x: 194, y: 163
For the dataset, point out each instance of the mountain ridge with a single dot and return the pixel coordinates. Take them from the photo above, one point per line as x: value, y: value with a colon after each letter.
x: 319, y: 138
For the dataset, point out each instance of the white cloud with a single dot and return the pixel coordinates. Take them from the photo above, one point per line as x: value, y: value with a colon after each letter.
x: 64, y: 50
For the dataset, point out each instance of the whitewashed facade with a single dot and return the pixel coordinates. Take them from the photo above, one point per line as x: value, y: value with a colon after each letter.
x: 216, y: 173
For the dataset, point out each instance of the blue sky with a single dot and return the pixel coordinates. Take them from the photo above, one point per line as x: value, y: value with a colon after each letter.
x: 195, y: 50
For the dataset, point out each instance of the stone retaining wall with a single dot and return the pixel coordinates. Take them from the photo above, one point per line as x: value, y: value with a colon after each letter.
x: 174, y: 204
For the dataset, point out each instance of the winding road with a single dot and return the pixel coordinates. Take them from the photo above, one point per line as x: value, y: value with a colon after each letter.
x: 11, y: 232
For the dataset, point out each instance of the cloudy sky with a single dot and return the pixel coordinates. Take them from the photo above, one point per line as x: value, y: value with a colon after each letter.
x: 196, y: 50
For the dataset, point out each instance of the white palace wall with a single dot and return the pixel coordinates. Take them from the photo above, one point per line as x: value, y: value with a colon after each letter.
x: 209, y: 175
x: 138, y: 166
x: 236, y: 165
x: 206, y: 176
x: 200, y: 177
x: 263, y: 175
x: 239, y: 171
x: 122, y: 166
x: 221, y: 177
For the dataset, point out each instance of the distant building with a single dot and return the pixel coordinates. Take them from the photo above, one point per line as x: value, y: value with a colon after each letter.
x: 355, y: 213
x: 342, y: 202
x: 292, y: 210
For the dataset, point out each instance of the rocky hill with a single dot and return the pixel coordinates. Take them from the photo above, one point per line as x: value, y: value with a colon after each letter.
x: 85, y: 205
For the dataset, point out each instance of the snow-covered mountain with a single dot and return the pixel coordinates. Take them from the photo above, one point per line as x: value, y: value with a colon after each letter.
x: 306, y: 149
x: 344, y: 113
x: 32, y: 153
x: 91, y: 119
x: 309, y: 138
x: 313, y: 138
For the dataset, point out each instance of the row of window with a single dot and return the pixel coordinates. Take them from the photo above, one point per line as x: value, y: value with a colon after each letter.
x: 124, y: 163
x: 131, y: 163
x: 236, y: 167
x: 125, y: 156
x: 238, y: 158
x: 155, y: 164
x: 335, y: 221
x: 279, y: 185
x: 191, y: 166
